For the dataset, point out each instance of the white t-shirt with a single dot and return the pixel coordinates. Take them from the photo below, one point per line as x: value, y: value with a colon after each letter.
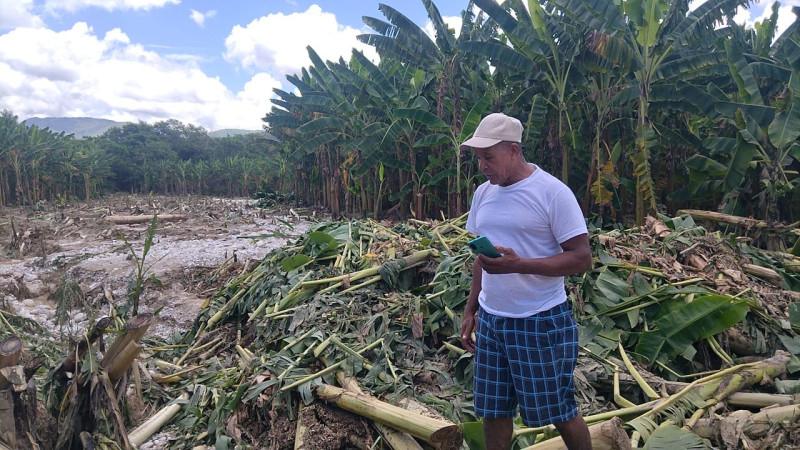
x: 532, y: 216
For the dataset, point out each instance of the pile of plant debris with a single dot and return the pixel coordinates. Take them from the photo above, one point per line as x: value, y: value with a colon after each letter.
x: 348, y: 338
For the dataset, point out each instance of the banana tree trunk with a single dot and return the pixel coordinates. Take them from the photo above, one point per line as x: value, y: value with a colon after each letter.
x: 10, y: 351
x: 753, y: 425
x: 397, y: 440
x: 608, y: 435
x: 68, y: 364
x: 645, y: 191
x: 121, y: 354
x: 8, y: 432
x: 438, y: 433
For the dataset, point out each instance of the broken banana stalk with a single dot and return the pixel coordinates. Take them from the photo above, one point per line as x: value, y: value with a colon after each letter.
x: 440, y: 434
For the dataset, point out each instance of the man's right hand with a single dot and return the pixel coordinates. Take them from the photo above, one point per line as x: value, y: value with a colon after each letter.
x: 467, y: 331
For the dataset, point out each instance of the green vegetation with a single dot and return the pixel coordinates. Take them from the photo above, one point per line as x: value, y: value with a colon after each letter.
x: 381, y: 307
x: 136, y: 285
x: 639, y: 107
x: 167, y: 157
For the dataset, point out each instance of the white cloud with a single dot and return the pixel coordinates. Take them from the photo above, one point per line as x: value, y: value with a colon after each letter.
x: 200, y: 18
x: 453, y: 22
x: 77, y: 73
x: 17, y: 13
x: 277, y: 43
x: 785, y: 15
x: 251, y: 104
x: 109, y: 5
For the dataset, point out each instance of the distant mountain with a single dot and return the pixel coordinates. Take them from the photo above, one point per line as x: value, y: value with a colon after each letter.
x: 79, y: 126
x: 231, y: 132
x: 88, y: 126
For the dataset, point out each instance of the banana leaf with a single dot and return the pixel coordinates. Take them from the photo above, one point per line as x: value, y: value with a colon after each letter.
x: 669, y: 437
x: 674, y: 332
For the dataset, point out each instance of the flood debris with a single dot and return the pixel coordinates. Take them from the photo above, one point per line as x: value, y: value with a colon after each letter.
x: 688, y: 338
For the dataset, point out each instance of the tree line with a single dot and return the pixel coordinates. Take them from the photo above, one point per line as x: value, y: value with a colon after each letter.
x: 167, y: 157
x: 640, y: 106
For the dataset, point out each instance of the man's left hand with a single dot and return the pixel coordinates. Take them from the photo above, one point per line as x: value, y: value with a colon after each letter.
x: 508, y: 263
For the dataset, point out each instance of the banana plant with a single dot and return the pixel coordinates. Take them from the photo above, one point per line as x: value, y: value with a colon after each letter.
x: 453, y: 80
x: 537, y: 45
x: 651, y: 41
x: 752, y: 160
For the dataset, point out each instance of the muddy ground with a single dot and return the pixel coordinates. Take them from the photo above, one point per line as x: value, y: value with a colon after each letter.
x: 48, y: 248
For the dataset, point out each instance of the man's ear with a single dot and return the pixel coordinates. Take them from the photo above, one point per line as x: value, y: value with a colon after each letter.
x: 516, y: 149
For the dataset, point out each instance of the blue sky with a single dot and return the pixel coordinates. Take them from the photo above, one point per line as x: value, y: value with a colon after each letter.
x: 171, y: 30
x: 209, y: 63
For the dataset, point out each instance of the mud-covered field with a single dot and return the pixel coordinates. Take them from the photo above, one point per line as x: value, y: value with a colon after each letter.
x: 49, y: 247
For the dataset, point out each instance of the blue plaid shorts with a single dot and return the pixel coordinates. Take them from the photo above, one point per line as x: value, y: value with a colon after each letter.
x: 527, y: 362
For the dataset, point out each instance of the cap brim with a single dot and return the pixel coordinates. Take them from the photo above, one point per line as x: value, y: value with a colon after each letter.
x: 479, y: 142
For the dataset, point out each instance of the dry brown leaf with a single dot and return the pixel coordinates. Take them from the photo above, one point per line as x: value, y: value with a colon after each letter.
x: 416, y: 325
x: 607, y: 241
x: 731, y: 428
x: 659, y: 228
x: 697, y: 261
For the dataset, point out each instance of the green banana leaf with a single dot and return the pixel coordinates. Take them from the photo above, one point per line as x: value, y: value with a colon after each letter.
x: 612, y: 288
x: 670, y: 437
x: 674, y: 332
x: 786, y: 127
x: 421, y: 116
x: 321, y: 123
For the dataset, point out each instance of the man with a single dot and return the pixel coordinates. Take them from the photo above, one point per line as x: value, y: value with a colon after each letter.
x: 526, y: 343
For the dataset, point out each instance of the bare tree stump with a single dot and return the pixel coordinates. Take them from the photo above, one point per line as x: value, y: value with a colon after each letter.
x: 8, y: 433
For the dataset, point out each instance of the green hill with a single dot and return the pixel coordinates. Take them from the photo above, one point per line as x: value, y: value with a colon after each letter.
x: 79, y: 126
x: 88, y: 126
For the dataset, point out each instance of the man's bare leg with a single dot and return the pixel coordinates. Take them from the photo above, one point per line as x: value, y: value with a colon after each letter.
x: 575, y: 433
x: 497, y: 433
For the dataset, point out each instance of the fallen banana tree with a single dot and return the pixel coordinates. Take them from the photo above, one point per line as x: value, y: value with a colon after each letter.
x: 382, y: 306
x: 747, y: 426
x: 667, y: 317
x: 144, y: 218
x: 693, y: 401
x: 146, y: 429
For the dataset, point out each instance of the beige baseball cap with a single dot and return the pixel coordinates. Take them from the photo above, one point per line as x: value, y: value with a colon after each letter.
x: 493, y: 129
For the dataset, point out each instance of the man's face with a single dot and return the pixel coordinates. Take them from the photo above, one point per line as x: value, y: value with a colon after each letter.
x: 496, y: 162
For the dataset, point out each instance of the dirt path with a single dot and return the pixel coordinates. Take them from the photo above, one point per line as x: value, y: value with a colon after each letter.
x: 44, y: 250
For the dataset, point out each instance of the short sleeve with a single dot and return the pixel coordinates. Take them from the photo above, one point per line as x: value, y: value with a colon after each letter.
x: 567, y: 217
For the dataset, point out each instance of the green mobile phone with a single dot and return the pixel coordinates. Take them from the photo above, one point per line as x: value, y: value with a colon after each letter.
x: 482, y: 245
